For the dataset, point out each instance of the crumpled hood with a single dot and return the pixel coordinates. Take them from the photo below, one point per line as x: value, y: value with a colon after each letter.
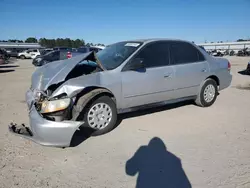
x: 55, y: 72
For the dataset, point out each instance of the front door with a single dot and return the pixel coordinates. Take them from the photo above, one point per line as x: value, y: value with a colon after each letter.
x: 152, y: 84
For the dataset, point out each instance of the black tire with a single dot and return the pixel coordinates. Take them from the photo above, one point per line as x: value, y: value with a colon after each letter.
x: 22, y: 57
x: 111, y: 125
x: 200, y: 100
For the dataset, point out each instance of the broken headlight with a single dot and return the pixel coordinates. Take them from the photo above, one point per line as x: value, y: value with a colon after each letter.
x: 55, y: 105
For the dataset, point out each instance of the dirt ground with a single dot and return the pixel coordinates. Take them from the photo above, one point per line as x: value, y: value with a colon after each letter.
x: 180, y: 146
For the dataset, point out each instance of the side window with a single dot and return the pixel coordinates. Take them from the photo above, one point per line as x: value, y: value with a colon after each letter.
x: 155, y: 54
x: 182, y: 52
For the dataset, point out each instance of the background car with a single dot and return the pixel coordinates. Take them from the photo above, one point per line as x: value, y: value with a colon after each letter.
x: 13, y: 52
x: 34, y: 53
x: 62, y: 48
x: 61, y: 53
x: 4, y: 54
x: 46, y: 58
x: 45, y: 51
x: 244, y: 52
x: 24, y: 54
x: 85, y: 49
x: 2, y: 60
x: 217, y: 53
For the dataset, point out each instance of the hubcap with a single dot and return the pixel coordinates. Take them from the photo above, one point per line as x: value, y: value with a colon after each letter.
x: 99, y: 116
x: 209, y: 93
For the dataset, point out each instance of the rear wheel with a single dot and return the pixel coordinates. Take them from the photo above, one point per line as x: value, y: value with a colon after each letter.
x: 207, y: 94
x: 101, y: 115
x: 22, y: 57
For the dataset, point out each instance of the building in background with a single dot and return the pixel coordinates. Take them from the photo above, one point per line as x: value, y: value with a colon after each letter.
x: 14, y: 48
x: 236, y: 46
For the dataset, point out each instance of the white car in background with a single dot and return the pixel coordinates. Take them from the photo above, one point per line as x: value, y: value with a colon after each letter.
x: 34, y: 53
x: 26, y: 54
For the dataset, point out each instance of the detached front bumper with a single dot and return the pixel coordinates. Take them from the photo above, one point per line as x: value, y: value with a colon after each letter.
x: 45, y: 132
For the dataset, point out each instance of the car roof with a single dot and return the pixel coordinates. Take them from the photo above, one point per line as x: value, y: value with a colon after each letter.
x: 154, y: 39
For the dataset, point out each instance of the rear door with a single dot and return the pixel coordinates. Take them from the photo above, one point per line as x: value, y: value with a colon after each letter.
x: 152, y: 84
x: 190, y: 67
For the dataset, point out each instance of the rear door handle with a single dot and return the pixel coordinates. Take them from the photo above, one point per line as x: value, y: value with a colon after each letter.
x: 168, y: 76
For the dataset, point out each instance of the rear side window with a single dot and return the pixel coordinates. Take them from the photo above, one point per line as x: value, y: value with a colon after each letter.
x: 182, y: 52
x: 155, y: 54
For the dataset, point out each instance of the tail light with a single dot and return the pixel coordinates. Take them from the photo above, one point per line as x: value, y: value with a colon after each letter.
x: 229, y: 66
x: 69, y: 55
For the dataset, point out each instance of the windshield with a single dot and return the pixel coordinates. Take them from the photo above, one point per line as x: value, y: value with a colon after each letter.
x: 115, y: 54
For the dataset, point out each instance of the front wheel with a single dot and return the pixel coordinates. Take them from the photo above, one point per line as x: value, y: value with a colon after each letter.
x: 101, y: 115
x: 207, y: 94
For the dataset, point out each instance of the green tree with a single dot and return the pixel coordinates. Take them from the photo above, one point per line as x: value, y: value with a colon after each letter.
x: 43, y: 42
x: 78, y: 43
x: 60, y: 42
x: 31, y: 40
x: 14, y: 40
x: 67, y: 42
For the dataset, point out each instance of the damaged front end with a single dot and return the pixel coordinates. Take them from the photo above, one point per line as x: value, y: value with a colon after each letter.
x: 50, y: 107
x: 46, y: 128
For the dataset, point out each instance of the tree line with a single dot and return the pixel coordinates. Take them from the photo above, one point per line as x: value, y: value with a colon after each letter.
x: 59, y: 42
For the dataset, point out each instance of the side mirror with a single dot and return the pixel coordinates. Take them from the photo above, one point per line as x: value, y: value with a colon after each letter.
x: 136, y: 64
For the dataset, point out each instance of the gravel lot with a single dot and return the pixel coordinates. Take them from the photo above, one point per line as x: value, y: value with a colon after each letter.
x: 205, y: 147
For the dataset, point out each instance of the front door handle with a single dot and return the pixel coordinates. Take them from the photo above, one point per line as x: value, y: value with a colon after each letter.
x: 204, y: 70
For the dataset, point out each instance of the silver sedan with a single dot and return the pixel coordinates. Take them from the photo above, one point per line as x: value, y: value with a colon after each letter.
x: 90, y: 89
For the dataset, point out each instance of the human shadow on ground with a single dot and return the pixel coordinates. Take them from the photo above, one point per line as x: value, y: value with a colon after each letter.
x: 244, y: 72
x: 152, y: 110
x: 8, y: 66
x: 84, y: 133
x: 6, y: 71
x: 157, y: 167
